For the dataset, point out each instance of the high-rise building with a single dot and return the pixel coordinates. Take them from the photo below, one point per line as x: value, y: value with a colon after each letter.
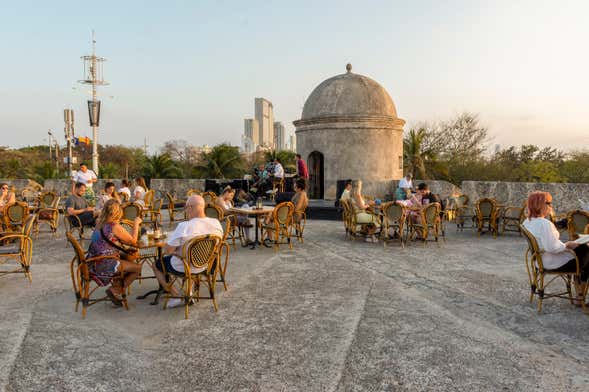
x: 251, y: 134
x: 264, y: 113
x: 293, y: 142
x: 279, y: 136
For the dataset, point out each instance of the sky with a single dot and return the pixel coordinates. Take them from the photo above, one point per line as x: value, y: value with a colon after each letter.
x: 190, y: 70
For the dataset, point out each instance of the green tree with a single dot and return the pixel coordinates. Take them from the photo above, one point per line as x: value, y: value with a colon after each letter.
x: 419, y: 155
x: 161, y: 166
x: 223, y: 161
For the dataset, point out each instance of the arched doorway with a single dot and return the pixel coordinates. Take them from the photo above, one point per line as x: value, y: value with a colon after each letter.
x: 315, y: 164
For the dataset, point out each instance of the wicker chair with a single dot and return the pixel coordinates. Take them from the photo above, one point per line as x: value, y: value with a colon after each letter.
x: 577, y: 220
x: 48, y: 215
x: 429, y: 223
x: 154, y: 215
x: 83, y: 279
x: 486, y: 212
x: 132, y: 211
x: 21, y: 249
x: 172, y: 207
x: 209, y: 197
x: 227, y: 224
x: 280, y: 226
x: 300, y: 222
x: 346, y: 212
x: 148, y: 199
x: 15, y: 215
x: 353, y: 227
x: 463, y: 213
x: 192, y: 192
x: 124, y: 197
x: 202, y: 254
x: 47, y: 200
x: 213, y: 211
x: 537, y: 273
x: 512, y: 217
x: 394, y: 217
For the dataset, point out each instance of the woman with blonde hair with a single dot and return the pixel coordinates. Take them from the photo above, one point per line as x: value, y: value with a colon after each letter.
x: 557, y: 256
x: 362, y: 211
x: 225, y: 202
x: 109, y: 239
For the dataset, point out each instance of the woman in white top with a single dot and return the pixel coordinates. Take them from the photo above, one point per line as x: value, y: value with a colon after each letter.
x: 125, y: 188
x: 140, y: 190
x: 108, y: 194
x: 555, y: 257
x: 225, y: 202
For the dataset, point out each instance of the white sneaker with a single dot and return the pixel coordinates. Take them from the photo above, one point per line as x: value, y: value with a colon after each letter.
x: 175, y: 302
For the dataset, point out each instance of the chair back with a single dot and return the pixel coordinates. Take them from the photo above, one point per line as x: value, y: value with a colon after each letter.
x: 462, y: 201
x: 209, y: 197
x: 213, y: 211
x: 201, y: 251
x: 157, y: 205
x: 16, y: 213
x: 577, y: 220
x: 192, y: 192
x: 283, y: 213
x: 171, y: 200
x: 131, y: 211
x: 395, y: 213
x: 80, y: 254
x: 486, y: 208
x: 47, y: 199
x: 148, y: 198
x: 431, y: 213
x: 535, y: 260
x: 227, y: 225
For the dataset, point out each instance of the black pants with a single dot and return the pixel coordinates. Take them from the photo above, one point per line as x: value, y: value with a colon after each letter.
x: 87, y: 219
x: 582, y: 252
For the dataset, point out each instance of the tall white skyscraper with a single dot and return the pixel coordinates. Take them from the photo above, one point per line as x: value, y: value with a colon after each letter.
x: 279, y: 136
x: 264, y: 113
x: 293, y: 142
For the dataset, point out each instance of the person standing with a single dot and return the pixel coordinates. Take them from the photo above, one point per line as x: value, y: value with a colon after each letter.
x: 87, y: 177
x: 302, y: 170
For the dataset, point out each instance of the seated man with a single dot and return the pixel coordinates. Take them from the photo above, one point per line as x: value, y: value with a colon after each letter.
x: 77, y: 205
x: 197, y: 224
x: 346, y: 194
x: 426, y: 195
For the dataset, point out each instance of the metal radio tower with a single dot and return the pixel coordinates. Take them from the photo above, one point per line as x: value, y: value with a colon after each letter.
x: 93, y: 75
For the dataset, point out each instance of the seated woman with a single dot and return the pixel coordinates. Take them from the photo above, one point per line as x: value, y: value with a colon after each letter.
x: 140, y: 191
x: 555, y: 257
x: 6, y: 197
x: 108, y: 194
x: 362, y: 211
x: 125, y: 188
x: 225, y: 202
x: 300, y: 199
x: 107, y: 240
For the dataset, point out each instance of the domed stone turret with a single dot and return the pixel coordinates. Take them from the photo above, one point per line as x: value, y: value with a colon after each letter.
x: 349, y: 129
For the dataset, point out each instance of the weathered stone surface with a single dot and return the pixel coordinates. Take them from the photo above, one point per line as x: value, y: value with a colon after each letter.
x: 566, y: 195
x: 328, y: 315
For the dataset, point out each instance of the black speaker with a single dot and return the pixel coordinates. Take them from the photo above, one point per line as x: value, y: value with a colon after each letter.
x: 289, y: 184
x: 281, y: 197
x: 212, y: 186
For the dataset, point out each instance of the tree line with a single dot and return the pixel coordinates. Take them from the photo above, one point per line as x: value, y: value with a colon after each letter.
x: 457, y: 149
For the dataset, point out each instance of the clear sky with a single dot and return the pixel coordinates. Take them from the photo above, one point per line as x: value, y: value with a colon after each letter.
x: 191, y: 69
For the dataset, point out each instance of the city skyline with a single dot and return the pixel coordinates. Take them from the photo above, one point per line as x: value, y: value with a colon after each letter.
x: 520, y: 66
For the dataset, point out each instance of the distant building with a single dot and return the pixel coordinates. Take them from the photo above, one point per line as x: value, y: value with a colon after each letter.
x: 251, y: 134
x: 292, y: 144
x: 279, y: 136
x: 264, y: 113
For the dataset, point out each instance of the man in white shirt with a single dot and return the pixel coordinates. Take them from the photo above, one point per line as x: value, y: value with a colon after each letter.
x: 197, y: 224
x: 278, y: 169
x: 86, y: 177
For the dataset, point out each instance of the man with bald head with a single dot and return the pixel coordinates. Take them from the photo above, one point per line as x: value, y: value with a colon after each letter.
x: 197, y: 224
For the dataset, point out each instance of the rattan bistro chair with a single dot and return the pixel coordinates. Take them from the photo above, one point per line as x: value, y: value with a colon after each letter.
x: 429, y: 223
x: 394, y: 217
x: 153, y: 216
x: 84, y: 281
x: 200, y: 254
x: 346, y: 212
x: 209, y: 197
x: 20, y: 249
x: 213, y: 211
x: 463, y: 213
x: 511, y: 218
x: 48, y: 215
x: 172, y: 207
x: 132, y: 211
x: 537, y: 274
x: 577, y: 220
x: 228, y: 224
x: 486, y: 213
x: 15, y: 215
x: 280, y: 225
x: 148, y: 199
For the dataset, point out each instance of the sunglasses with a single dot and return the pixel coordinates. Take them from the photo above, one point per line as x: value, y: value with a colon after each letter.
x: 4, y: 187
x: 549, y: 203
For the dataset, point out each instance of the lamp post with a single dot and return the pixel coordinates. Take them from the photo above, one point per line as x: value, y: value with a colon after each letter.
x: 93, y: 76
x: 68, y: 118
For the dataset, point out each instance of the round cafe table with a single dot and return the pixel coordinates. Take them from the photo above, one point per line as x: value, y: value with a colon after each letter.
x: 256, y: 213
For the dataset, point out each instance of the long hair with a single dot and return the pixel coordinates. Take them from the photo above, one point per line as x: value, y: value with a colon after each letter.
x: 141, y: 182
x: 111, y: 212
x: 537, y: 207
x: 356, y: 188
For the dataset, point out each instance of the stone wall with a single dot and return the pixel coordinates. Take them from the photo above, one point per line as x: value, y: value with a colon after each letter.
x: 64, y: 186
x: 177, y: 187
x: 565, y: 195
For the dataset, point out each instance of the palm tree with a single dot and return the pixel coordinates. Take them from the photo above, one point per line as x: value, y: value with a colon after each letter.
x: 223, y: 161
x: 420, y: 157
x: 161, y: 166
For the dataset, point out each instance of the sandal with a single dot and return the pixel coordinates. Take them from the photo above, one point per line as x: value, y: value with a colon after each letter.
x: 114, y: 299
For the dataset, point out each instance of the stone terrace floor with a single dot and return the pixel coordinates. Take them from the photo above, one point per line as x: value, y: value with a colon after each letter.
x: 329, y: 315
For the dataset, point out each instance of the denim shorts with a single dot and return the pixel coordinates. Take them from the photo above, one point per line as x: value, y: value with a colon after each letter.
x: 168, y: 264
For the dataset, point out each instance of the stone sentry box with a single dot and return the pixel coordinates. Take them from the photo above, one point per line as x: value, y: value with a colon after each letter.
x: 349, y: 129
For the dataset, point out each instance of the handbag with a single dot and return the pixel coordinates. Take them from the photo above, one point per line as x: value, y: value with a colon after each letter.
x: 129, y: 253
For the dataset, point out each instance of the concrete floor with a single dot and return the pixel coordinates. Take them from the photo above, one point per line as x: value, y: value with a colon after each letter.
x: 329, y: 315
